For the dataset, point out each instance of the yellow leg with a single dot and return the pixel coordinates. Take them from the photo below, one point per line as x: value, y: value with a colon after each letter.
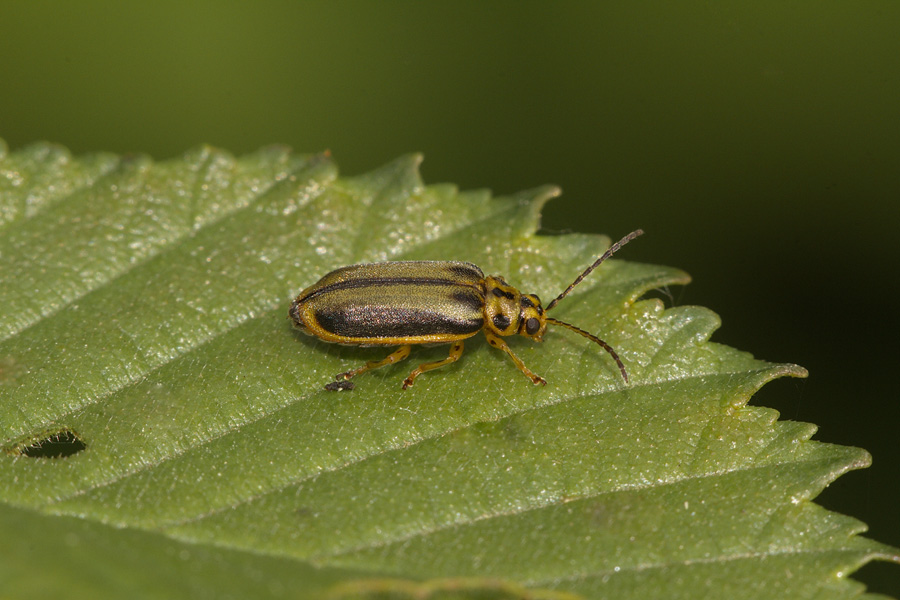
x: 395, y: 356
x: 498, y: 342
x: 456, y: 351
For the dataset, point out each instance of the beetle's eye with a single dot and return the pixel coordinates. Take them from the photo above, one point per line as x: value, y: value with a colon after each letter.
x: 532, y: 326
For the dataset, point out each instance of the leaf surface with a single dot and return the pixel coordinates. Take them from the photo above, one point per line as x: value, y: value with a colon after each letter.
x: 143, y: 311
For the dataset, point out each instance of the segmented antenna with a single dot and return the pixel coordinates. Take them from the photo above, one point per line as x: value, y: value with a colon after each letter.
x: 612, y: 250
x: 594, y: 339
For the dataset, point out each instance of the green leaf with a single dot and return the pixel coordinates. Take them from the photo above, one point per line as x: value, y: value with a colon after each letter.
x: 160, y: 415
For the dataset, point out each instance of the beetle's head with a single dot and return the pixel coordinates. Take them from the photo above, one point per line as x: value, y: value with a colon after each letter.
x: 508, y: 311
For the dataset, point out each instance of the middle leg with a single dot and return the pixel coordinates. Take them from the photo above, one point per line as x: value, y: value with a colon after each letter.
x: 456, y: 351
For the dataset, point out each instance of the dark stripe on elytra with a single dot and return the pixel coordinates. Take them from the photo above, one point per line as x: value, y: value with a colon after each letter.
x: 474, y: 302
x: 467, y: 272
x: 388, y: 322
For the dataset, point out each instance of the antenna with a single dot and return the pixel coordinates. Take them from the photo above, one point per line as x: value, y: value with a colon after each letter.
x: 612, y: 250
x: 594, y: 339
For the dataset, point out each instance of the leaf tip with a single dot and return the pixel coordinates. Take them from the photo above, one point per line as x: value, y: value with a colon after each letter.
x: 791, y: 370
x: 535, y: 199
x: 401, y: 173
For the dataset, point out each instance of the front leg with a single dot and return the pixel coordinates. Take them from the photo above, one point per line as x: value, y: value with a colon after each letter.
x: 497, y: 342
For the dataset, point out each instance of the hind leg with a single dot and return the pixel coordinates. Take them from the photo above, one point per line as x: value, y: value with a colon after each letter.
x: 394, y: 357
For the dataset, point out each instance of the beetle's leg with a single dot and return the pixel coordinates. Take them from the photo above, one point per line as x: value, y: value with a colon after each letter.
x: 456, y: 351
x: 395, y: 356
x: 497, y: 342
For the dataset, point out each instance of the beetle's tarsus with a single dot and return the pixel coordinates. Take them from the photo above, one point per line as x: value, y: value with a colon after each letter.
x: 340, y: 385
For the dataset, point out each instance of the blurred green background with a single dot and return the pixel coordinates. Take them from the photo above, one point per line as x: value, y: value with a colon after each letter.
x: 757, y: 143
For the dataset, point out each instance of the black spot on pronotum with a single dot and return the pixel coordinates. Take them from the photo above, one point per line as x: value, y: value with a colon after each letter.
x: 501, y: 322
x: 59, y: 444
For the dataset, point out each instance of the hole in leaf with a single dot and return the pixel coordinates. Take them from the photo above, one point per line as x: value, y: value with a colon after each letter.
x: 56, y: 445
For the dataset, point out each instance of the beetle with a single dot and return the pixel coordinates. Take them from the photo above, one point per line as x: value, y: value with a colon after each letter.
x: 428, y: 302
